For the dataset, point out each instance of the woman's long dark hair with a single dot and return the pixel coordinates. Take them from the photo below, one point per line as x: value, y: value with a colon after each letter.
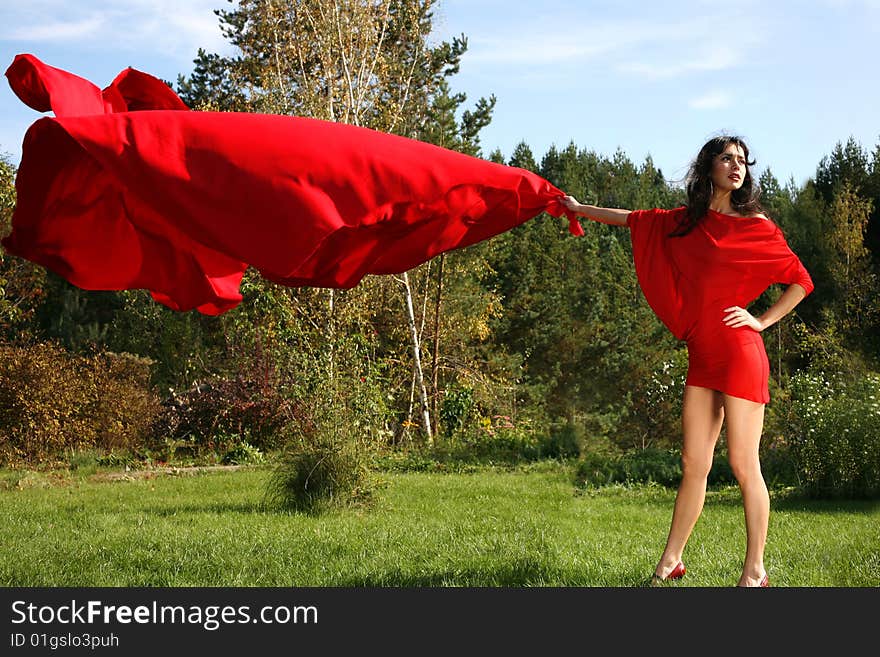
x: 698, y: 185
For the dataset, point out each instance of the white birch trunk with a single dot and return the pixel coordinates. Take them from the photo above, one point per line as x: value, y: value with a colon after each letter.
x: 417, y: 360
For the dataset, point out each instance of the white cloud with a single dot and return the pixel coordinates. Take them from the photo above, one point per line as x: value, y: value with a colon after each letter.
x: 176, y: 27
x: 542, y: 44
x: 852, y: 4
x: 672, y: 67
x: 537, y: 50
x: 55, y: 31
x: 638, y: 46
x: 710, y: 101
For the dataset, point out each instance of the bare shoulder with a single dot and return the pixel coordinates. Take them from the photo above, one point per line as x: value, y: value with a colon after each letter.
x: 760, y: 215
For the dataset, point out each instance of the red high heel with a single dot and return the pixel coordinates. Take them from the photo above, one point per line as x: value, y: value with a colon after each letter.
x: 676, y: 573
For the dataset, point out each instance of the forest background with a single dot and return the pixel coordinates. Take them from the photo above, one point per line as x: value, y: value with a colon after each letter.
x: 531, y: 345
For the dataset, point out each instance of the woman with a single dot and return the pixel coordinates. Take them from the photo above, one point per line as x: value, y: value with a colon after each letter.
x: 699, y: 266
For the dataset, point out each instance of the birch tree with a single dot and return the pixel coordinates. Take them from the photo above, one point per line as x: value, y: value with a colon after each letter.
x: 362, y: 62
x: 851, y: 264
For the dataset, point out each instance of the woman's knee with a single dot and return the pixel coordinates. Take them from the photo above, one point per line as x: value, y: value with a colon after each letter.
x: 745, y: 467
x: 745, y: 420
x: 696, y: 465
x: 702, y: 416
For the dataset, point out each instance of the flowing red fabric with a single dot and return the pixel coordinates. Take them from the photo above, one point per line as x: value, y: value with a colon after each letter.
x: 689, y: 281
x: 112, y: 197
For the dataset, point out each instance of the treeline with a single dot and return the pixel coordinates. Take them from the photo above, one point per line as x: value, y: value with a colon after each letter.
x: 532, y: 344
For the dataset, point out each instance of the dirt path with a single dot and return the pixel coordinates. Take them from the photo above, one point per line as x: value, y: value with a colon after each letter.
x: 131, y: 475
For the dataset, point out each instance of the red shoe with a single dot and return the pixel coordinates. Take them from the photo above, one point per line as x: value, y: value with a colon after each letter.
x: 676, y: 573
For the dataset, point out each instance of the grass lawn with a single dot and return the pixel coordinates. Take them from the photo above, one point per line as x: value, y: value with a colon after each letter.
x: 525, y: 527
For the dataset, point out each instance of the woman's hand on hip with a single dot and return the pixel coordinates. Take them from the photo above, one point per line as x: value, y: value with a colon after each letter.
x: 737, y: 317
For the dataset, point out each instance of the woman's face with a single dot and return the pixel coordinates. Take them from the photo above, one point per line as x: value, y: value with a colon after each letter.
x: 729, y: 169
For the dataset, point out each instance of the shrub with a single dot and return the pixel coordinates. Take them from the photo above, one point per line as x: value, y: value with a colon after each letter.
x: 564, y: 442
x: 126, y: 407
x: 835, y: 433
x: 55, y: 403
x: 777, y: 461
x: 653, y: 404
x: 647, y: 465
x: 721, y: 473
x: 637, y: 466
x: 651, y: 465
x: 456, y: 410
x: 242, y: 453
x: 595, y: 470
x: 42, y: 394
x: 498, y: 439
x: 493, y: 440
x: 240, y: 407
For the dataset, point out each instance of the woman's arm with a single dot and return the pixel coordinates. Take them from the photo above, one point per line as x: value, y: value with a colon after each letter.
x: 792, y: 296
x: 614, y: 216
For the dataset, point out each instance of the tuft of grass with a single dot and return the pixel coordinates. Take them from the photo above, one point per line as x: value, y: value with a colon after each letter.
x: 315, y: 476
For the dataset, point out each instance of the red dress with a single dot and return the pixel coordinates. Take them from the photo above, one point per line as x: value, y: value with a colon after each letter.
x: 125, y: 188
x: 688, y: 281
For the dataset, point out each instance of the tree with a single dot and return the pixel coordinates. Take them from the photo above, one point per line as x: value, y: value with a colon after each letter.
x: 846, y: 164
x: 872, y: 192
x: 22, y: 283
x: 363, y: 62
x: 851, y: 267
x: 523, y: 157
x: 591, y: 349
x: 849, y: 164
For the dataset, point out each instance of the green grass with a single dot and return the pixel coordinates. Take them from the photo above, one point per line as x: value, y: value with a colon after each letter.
x: 525, y: 527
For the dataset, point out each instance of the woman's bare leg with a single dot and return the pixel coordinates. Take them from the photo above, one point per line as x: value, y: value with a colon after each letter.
x: 745, y: 422
x: 701, y: 418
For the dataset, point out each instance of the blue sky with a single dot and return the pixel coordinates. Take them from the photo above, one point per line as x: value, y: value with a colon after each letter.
x: 793, y: 78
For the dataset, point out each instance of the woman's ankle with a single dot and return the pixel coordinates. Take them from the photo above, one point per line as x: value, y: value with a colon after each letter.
x: 666, y: 564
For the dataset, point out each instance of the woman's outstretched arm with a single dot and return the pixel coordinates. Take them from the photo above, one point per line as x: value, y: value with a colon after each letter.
x: 615, y: 216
